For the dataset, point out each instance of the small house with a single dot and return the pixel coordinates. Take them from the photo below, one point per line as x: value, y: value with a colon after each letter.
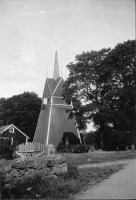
x: 16, y: 135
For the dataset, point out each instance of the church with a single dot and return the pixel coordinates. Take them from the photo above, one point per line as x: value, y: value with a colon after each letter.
x: 53, y: 120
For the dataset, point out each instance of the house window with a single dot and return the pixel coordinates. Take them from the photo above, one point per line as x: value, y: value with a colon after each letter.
x: 44, y: 103
x: 11, y: 130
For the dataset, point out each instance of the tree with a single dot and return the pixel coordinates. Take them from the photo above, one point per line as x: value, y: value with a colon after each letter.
x: 22, y: 111
x: 123, y: 87
x: 99, y: 84
x: 85, y: 87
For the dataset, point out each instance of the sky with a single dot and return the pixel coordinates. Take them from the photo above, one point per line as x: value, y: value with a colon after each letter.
x: 29, y: 30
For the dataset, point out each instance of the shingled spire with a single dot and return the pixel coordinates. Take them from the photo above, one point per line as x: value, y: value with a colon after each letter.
x: 53, y: 119
x: 56, y: 68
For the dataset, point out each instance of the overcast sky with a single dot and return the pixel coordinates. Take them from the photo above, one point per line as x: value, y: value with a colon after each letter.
x: 29, y: 29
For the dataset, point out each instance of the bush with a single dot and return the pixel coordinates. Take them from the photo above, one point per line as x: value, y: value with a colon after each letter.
x: 7, y: 149
x: 70, y: 138
x: 79, y: 148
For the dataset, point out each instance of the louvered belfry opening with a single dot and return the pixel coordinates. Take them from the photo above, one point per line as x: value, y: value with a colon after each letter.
x: 53, y: 120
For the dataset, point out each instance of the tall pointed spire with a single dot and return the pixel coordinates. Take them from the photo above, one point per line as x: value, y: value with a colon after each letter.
x: 53, y: 119
x: 56, y: 67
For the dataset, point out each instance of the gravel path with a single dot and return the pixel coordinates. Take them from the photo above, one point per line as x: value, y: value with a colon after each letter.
x: 121, y: 185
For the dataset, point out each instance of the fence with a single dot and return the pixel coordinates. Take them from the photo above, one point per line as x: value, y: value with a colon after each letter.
x: 32, y: 149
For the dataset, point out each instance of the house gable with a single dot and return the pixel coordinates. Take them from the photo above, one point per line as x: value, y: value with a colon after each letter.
x: 11, y: 131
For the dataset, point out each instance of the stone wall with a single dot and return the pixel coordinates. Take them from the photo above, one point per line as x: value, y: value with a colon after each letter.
x: 46, y: 166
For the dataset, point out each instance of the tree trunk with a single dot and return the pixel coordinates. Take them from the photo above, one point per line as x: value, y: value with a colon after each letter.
x: 101, y: 133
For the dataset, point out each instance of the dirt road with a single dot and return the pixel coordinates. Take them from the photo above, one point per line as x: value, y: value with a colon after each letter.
x: 121, y: 185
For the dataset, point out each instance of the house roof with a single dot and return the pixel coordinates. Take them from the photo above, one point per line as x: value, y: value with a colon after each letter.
x: 6, y: 127
x: 2, y: 128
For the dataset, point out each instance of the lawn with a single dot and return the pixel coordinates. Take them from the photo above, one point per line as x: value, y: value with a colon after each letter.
x: 63, y: 187
x: 98, y: 157
x: 72, y: 183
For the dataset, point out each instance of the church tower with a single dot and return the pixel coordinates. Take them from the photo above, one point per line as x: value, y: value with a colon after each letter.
x: 53, y: 120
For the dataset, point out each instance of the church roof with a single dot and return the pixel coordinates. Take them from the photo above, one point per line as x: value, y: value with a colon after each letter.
x: 56, y: 67
x: 51, y: 84
x: 53, y: 87
x: 59, y: 88
x: 53, y: 119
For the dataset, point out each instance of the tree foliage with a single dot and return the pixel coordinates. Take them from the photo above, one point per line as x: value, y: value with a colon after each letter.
x: 123, y: 86
x: 21, y: 110
x: 101, y: 86
x: 7, y: 149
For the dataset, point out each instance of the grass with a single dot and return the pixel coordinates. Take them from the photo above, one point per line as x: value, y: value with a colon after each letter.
x: 98, y: 157
x: 71, y: 183
x: 63, y: 187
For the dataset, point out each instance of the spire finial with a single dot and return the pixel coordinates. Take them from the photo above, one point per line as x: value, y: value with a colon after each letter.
x: 46, y: 72
x: 56, y: 44
x: 56, y: 67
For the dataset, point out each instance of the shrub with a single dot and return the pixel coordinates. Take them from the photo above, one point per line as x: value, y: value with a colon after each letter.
x: 70, y: 137
x: 79, y: 148
x: 7, y: 149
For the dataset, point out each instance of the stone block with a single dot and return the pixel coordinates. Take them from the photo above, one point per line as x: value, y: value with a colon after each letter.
x: 52, y: 176
x: 51, y: 163
x: 21, y: 173
x: 60, y: 170
x: 45, y: 172
x: 64, y: 167
x: 29, y: 164
x: 8, y: 168
x: 37, y: 164
x: 7, y: 178
x: 14, y: 173
x: 43, y: 163
x: 19, y: 165
x: 46, y: 166
x: 30, y: 173
x: 56, y: 171
x: 60, y: 159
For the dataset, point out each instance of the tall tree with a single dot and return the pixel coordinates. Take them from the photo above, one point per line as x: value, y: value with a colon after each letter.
x: 21, y: 110
x: 97, y: 87
x: 85, y: 87
x: 123, y: 87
